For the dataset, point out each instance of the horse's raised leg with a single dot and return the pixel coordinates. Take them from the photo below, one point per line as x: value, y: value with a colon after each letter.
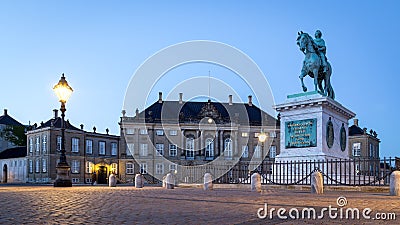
x: 302, y: 75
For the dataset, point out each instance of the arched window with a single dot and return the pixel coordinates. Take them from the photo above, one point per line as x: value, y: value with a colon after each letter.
x: 228, y: 147
x: 209, y: 148
x: 190, y: 148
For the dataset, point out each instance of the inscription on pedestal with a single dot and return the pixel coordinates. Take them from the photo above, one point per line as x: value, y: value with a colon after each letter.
x: 301, y: 133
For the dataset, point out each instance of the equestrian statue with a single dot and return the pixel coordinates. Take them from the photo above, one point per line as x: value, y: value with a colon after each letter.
x: 315, y: 63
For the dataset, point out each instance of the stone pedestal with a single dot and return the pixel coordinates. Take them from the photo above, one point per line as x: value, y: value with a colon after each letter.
x: 169, y: 181
x: 112, y: 181
x: 395, y: 183
x: 208, y: 185
x: 313, y: 127
x: 317, y: 183
x: 63, y: 176
x: 256, y: 182
x: 139, y: 181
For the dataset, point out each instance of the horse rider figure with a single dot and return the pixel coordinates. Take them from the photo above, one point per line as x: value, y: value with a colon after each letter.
x: 320, y: 43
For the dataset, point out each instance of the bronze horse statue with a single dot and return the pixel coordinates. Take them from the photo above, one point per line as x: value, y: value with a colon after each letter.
x: 312, y: 66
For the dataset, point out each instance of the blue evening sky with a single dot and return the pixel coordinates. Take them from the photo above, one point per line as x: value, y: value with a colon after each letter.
x: 100, y: 44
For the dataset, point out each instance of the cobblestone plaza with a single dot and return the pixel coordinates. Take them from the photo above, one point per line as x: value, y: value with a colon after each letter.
x: 154, y: 205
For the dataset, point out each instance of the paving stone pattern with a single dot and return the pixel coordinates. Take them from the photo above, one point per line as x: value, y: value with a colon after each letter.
x: 154, y: 205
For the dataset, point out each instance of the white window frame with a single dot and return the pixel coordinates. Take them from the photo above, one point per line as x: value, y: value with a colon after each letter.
x: 44, y: 143
x: 159, y: 168
x: 272, y: 151
x: 37, y: 144
x: 129, y: 131
x: 172, y: 167
x: 74, y: 144
x: 173, y: 150
x: 144, y: 149
x: 143, y: 168
x: 371, y: 150
x: 190, y: 147
x: 173, y: 132
x: 31, y: 144
x: 129, y: 168
x: 245, y: 151
x: 245, y: 134
x: 228, y: 147
x: 130, y: 148
x: 89, y: 146
x: 75, y: 166
x: 59, y: 143
x: 89, y: 167
x: 37, y: 166
x: 114, y: 148
x: 159, y: 132
x: 102, y: 147
x: 356, y: 149
x: 143, y: 131
x: 209, y: 150
x: 30, y: 166
x: 159, y: 149
x: 114, y: 168
x: 44, y: 166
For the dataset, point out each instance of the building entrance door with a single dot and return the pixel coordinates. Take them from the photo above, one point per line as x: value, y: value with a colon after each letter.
x: 102, y: 175
x: 5, y: 173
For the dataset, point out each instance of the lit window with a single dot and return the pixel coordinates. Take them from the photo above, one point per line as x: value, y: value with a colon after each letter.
x: 160, y: 149
x: 209, y: 148
x: 245, y: 151
x: 172, y: 150
x: 272, y: 151
x: 89, y: 146
x: 114, y: 168
x: 129, y: 168
x: 245, y: 134
x: 190, y: 148
x: 113, y: 148
x: 256, y: 135
x: 75, y: 145
x: 143, y: 150
x: 59, y: 139
x: 44, y: 143
x: 143, y: 168
x: 37, y: 143
x: 102, y: 148
x: 356, y: 149
x: 272, y: 134
x: 143, y: 131
x: 173, y: 132
x: 89, y: 167
x: 159, y: 132
x: 228, y: 147
x: 130, y: 148
x: 44, y: 166
x: 75, y: 164
x: 159, y: 168
x: 130, y: 131
x: 257, y: 151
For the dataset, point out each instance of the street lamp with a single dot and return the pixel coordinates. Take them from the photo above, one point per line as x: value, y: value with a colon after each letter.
x: 63, y: 92
x: 262, y: 138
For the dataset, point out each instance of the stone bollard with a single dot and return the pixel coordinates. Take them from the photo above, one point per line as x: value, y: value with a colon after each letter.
x: 169, y: 181
x: 395, y: 183
x: 139, y: 181
x: 256, y: 182
x: 164, y: 183
x: 112, y: 181
x: 317, y: 183
x: 208, y: 185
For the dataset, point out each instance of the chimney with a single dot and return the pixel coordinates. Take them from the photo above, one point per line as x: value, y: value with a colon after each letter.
x: 81, y: 126
x: 137, y: 113
x: 180, y: 98
x: 160, y: 97
x: 5, y: 112
x: 230, y: 100
x: 55, y: 113
x: 356, y: 122
x: 250, y: 100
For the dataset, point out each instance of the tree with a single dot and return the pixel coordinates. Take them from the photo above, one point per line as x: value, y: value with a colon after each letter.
x: 14, y: 134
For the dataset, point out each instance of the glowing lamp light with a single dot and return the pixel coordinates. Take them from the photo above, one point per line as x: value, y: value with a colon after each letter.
x: 62, y: 90
x: 262, y: 137
x: 210, y: 120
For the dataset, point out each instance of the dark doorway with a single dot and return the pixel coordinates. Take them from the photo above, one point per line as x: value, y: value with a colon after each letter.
x: 102, y: 175
x: 5, y: 173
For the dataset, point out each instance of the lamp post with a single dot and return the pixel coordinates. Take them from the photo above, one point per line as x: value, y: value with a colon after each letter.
x: 63, y: 92
x: 262, y: 138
